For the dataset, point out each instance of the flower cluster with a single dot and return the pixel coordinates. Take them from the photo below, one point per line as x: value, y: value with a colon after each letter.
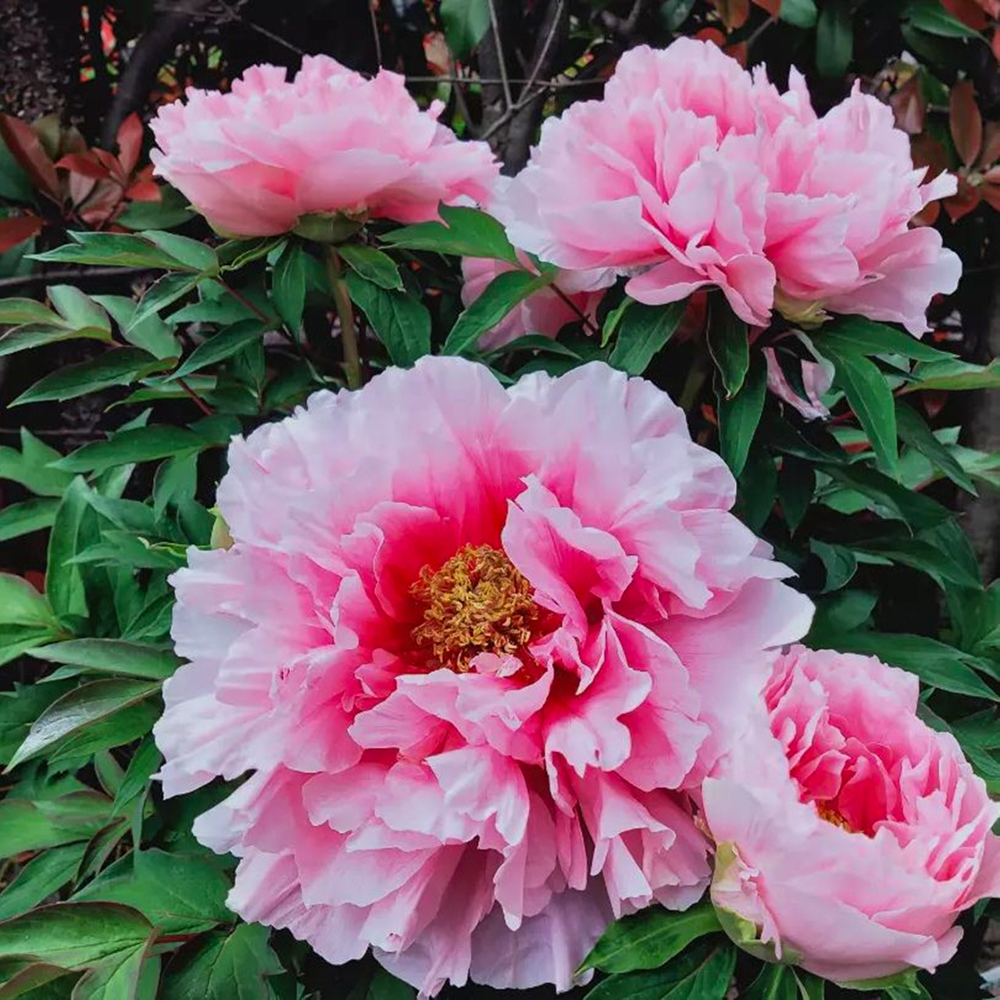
x: 692, y: 172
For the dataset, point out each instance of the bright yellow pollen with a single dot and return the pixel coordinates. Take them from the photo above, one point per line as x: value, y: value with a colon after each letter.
x: 829, y: 813
x: 477, y: 602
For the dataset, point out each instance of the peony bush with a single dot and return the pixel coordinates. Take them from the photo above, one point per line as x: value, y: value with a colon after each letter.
x: 455, y: 609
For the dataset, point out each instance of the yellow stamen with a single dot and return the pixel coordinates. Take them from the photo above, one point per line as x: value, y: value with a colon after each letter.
x: 828, y: 812
x: 477, y: 602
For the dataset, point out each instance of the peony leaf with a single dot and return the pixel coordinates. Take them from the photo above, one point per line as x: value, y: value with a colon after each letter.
x: 220, y: 347
x: 111, y: 656
x: 466, y: 232
x: 857, y: 335
x: 502, y: 294
x: 700, y: 973
x: 465, y: 22
x: 34, y: 826
x: 138, y: 444
x: 800, y: 13
x: 224, y: 967
x: 739, y: 416
x: 288, y: 285
x: 674, y: 13
x: 43, y: 876
x: 914, y: 431
x: 839, y: 562
x: 116, y: 250
x: 729, y: 345
x: 138, y: 775
x: 966, y: 121
x: 834, y: 38
x: 650, y: 938
x: 81, y: 708
x: 372, y: 265
x: 402, y: 323
x: 871, y: 400
x: 120, y: 366
x: 642, y: 332
x: 930, y: 16
x: 775, y: 982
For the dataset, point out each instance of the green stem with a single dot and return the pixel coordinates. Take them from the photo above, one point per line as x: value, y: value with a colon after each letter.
x: 345, y: 310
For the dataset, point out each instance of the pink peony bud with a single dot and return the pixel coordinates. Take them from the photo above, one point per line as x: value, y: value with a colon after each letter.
x: 850, y: 834
x: 329, y: 142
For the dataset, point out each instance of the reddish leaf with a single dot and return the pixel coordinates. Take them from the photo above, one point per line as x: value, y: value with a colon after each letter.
x: 80, y: 187
x: 909, y: 106
x: 734, y: 13
x: 27, y: 150
x: 712, y: 35
x: 739, y: 52
x: 18, y: 228
x: 85, y: 165
x: 130, y: 142
x: 773, y: 7
x: 928, y: 215
x: 991, y: 195
x: 966, y: 121
x: 144, y: 191
x: 101, y: 206
x: 968, y: 12
x: 990, y: 152
x: 928, y: 152
x: 964, y: 202
x: 992, y: 176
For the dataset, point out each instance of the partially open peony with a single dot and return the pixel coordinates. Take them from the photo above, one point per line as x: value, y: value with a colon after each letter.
x: 850, y: 834
x: 473, y: 646
x: 257, y: 160
x: 652, y: 181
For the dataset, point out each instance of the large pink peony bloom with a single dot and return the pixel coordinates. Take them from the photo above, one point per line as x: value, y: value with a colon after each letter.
x: 850, y: 834
x: 842, y: 193
x: 659, y: 179
x: 474, y: 646
x: 258, y: 159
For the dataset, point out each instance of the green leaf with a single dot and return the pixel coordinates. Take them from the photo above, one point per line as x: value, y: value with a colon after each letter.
x: 78, y: 310
x: 14, y: 312
x: 170, y: 211
x: 698, y: 974
x: 288, y: 284
x: 39, y: 981
x: 111, y: 656
x: 140, y: 770
x: 796, y: 487
x: 120, y: 366
x: 642, y: 332
x: 650, y: 938
x: 21, y: 604
x: 465, y: 22
x: 914, y: 508
x: 871, y: 400
x: 801, y: 13
x: 224, y: 967
x: 775, y: 982
x: 383, y: 986
x: 82, y: 707
x: 75, y: 935
x: 222, y: 345
x: 402, y: 323
x: 914, y: 431
x: 740, y: 414
x: 40, y: 878
x: 921, y: 555
x: 372, y: 265
x: 839, y: 562
x: 857, y: 335
x: 673, y: 13
x: 179, y: 894
x: 954, y: 375
x: 19, y: 709
x: 176, y: 482
x: 466, y: 232
x: 138, y: 444
x: 501, y: 295
x: 112, y: 250
x: 935, y: 663
x: 834, y: 38
x: 31, y: 466
x: 24, y: 338
x: 63, y: 582
x: 930, y: 16
x: 16, y: 640
x: 162, y: 293
x: 27, y: 825
x: 152, y: 334
x: 729, y: 345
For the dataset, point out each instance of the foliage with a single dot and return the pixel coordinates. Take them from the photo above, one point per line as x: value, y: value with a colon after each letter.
x: 103, y: 890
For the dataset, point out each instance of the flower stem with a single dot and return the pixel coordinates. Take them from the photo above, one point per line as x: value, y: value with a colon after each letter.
x: 345, y: 310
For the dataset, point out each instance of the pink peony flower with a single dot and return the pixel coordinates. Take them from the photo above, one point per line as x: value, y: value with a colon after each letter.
x: 842, y: 193
x: 474, y: 647
x: 850, y: 834
x: 256, y: 160
x: 545, y: 312
x: 659, y: 180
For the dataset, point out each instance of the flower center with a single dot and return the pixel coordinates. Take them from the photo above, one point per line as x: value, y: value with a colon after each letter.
x: 477, y: 602
x: 828, y: 812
